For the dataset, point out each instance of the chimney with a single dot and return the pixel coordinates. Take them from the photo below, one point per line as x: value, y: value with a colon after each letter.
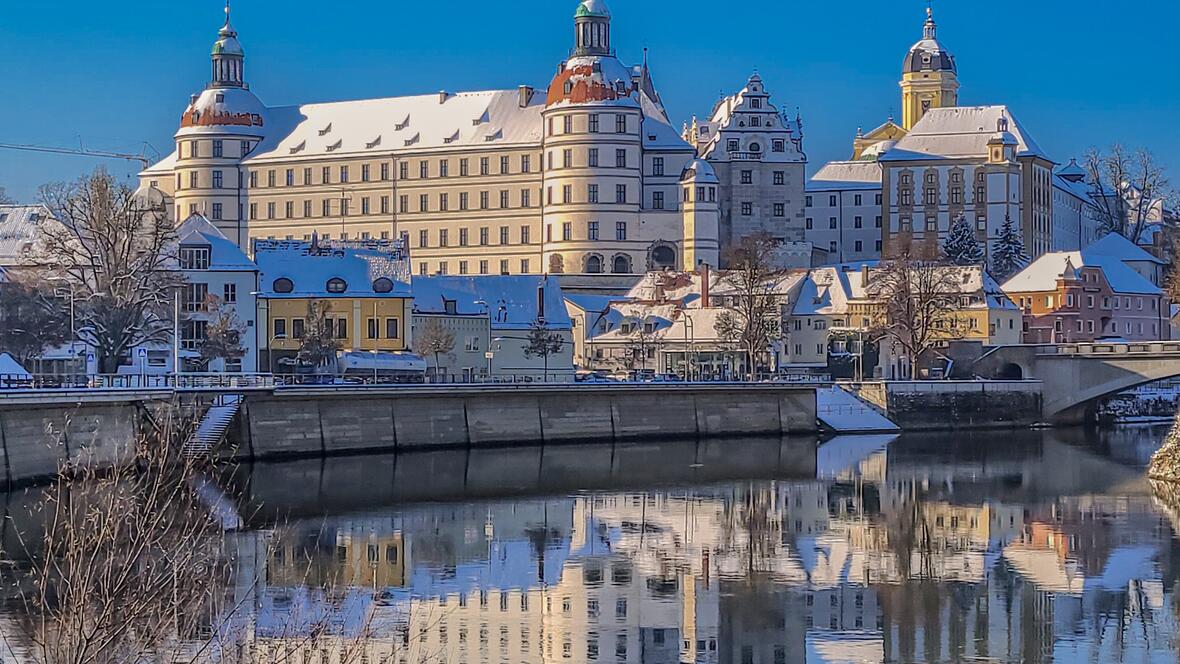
x: 541, y: 301
x: 864, y: 275
x: 442, y: 96
x: 705, y: 286
x: 526, y: 95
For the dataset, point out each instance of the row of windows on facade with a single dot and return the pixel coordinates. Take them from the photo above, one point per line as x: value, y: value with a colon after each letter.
x: 1112, y: 328
x: 593, y: 161
x: 484, y: 267
x: 593, y: 122
x: 857, y: 246
x: 833, y: 222
x: 932, y: 197
x: 1114, y: 303
x: 376, y: 328
x: 335, y: 285
x: 218, y: 151
x: 733, y: 145
x: 196, y: 296
x: 591, y: 264
x: 777, y: 209
x: 906, y: 224
x: 857, y: 199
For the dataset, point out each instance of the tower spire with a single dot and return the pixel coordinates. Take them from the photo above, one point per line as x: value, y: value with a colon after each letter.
x: 929, y: 31
x: 228, y: 57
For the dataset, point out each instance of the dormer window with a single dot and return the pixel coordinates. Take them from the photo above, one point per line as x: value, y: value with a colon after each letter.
x: 194, y: 258
x: 337, y: 285
x: 383, y: 285
x: 283, y: 285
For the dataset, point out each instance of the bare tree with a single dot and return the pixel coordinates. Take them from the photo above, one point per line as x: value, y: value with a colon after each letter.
x: 114, y: 248
x: 638, y: 346
x: 434, y: 340
x: 543, y: 343
x: 752, y: 319
x: 31, y: 318
x: 318, y: 345
x: 916, y: 303
x: 223, y: 333
x: 1130, y: 190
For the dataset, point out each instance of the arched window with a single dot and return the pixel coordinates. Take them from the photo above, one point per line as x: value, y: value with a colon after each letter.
x: 556, y: 264
x: 283, y: 285
x: 337, y: 285
x: 662, y: 257
x: 755, y: 147
x: 621, y: 264
x: 594, y: 264
x: 383, y: 285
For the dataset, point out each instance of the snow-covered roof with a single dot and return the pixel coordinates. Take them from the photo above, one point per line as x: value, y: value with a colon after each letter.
x: 511, y: 301
x: 401, y: 124
x: 20, y: 226
x: 10, y: 368
x: 1042, y: 275
x: 1079, y: 190
x: 310, y: 265
x: 960, y: 132
x: 224, y: 254
x: 846, y: 175
x: 828, y: 291
x: 1115, y: 245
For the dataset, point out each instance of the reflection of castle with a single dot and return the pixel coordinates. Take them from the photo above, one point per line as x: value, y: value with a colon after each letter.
x: 904, y: 563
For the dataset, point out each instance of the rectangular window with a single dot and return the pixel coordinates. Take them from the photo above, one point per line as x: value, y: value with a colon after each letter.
x: 524, y: 198
x: 297, y: 328
x: 384, y: 205
x: 462, y: 267
x: 218, y: 180
x: 218, y: 149
x: 365, y: 209
x: 592, y: 193
x: 524, y: 266
x: 270, y: 210
x: 657, y: 200
x: 403, y: 170
x: 524, y: 234
x: 592, y: 230
x: 592, y: 158
x: 780, y: 177
x: 280, y: 328
x: 657, y: 166
x: 484, y: 167
x: 423, y: 169
x: 778, y: 145
x: 483, y: 236
x: 504, y: 167
x: 463, y: 237
x: 621, y: 230
x: 483, y: 267
x: 483, y: 200
x: 217, y: 211
x: 620, y: 124
x: 403, y: 203
x: 504, y: 267
x: 567, y: 124
x: 747, y: 177
x: 567, y: 231
x: 443, y: 237
x: 593, y: 123
x: 423, y: 238
x: 423, y: 202
x: 289, y: 209
x: 463, y: 200
x: 620, y: 158
x: 343, y: 174
x: 504, y: 199
x: 779, y: 210
x: 747, y: 209
x: 504, y: 235
x: 384, y: 171
x: 567, y: 158
x: 620, y: 193
x: 525, y: 163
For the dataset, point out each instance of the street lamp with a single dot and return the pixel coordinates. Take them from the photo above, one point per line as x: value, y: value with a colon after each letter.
x: 690, y: 346
x: 73, y: 319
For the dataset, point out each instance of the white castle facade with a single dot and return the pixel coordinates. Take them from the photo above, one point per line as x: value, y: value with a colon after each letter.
x: 588, y: 178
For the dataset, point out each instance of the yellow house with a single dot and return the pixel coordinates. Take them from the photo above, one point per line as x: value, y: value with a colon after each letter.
x: 363, y: 286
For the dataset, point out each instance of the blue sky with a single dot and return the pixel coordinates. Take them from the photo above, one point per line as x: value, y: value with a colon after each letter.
x: 114, y: 75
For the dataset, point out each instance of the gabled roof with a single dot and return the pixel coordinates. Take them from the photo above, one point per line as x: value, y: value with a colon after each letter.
x: 1042, y: 275
x: 1117, y: 246
x: 846, y: 175
x: 511, y: 301
x: 309, y: 266
x: 224, y: 254
x: 960, y: 132
x: 20, y: 226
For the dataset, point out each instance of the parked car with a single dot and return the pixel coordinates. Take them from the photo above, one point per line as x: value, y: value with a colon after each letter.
x: 666, y: 378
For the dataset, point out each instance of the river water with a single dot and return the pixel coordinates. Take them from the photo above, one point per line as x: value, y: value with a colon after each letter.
x: 1002, y: 547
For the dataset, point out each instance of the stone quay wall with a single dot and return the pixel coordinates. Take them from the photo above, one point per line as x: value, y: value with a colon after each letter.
x: 950, y: 405
x: 40, y: 431
x: 324, y: 421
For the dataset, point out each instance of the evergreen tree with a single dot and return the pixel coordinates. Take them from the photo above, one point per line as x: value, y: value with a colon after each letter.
x: 961, y: 247
x: 1008, y: 257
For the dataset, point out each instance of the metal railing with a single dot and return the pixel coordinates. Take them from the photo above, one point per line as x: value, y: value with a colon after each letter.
x: 214, y: 381
x: 1145, y: 347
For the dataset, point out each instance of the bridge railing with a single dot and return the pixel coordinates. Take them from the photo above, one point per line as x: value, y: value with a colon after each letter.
x: 1145, y: 347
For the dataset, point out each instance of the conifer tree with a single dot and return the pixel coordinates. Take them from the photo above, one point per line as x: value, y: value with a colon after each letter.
x: 961, y: 246
x: 1008, y: 256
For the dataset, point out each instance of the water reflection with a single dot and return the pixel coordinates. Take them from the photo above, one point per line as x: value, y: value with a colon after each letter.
x: 1029, y: 547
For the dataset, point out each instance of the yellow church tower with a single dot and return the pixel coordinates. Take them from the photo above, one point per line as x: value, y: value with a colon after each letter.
x: 929, y: 78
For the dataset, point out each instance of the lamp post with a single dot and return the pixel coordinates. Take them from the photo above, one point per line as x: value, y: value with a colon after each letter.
x: 73, y: 318
x: 489, y: 353
x: 689, y: 346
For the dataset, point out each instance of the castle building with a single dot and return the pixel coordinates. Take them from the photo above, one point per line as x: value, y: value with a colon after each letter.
x: 585, y: 179
x: 757, y: 154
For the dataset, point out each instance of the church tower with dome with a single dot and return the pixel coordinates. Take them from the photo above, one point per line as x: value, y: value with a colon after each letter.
x: 929, y: 77
x: 220, y: 126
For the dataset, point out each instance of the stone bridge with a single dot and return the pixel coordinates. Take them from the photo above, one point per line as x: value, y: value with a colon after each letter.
x: 1076, y: 376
